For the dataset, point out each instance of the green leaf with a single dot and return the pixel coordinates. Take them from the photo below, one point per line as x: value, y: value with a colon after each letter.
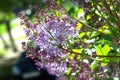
x: 93, y: 34
x: 71, y: 77
x: 102, y: 50
x: 81, y: 12
x: 104, y: 61
x: 103, y: 64
x: 72, y: 56
x: 71, y: 12
x: 77, y: 50
x: 97, y: 12
x: 94, y: 64
x: 88, y: 17
x: 81, y: 34
x: 107, y: 37
x: 68, y: 5
x: 59, y: 1
x: 73, y: 9
x: 106, y: 50
x: 68, y: 71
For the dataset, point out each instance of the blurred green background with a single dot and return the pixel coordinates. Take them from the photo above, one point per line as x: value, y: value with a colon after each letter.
x: 9, y: 25
x: 12, y: 33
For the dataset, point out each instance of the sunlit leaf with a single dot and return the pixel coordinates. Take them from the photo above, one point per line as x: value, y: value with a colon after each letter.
x: 78, y: 57
x: 99, y: 50
x: 81, y: 34
x: 77, y: 50
x: 88, y: 33
x: 81, y: 12
x: 72, y: 56
x: 88, y: 17
x: 104, y: 61
x: 102, y: 50
x: 79, y: 25
x: 68, y: 71
x: 97, y: 13
x: 106, y: 50
x: 104, y: 29
x: 93, y: 34
x: 94, y: 64
x: 103, y: 64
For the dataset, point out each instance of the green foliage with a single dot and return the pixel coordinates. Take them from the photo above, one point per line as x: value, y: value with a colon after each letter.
x: 94, y: 64
x: 73, y: 9
x: 99, y: 30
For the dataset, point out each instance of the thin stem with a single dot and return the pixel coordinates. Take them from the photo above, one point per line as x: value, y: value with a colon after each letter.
x: 86, y: 25
x: 50, y: 33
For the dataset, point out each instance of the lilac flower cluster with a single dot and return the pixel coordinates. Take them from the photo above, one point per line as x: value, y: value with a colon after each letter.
x: 50, y: 33
x: 85, y: 72
x: 81, y: 70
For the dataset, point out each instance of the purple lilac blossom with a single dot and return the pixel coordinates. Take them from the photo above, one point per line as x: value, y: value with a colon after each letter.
x: 50, y: 35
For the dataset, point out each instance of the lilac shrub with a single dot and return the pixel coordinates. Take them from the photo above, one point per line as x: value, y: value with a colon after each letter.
x: 52, y: 37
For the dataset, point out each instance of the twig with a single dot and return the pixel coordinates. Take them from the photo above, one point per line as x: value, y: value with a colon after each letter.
x: 86, y: 25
